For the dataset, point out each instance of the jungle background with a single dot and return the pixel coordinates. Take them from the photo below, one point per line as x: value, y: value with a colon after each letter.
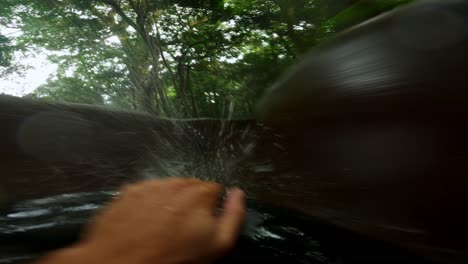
x: 171, y: 58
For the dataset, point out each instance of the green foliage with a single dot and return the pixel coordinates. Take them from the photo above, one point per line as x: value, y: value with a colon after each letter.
x: 356, y: 13
x: 7, y: 47
x: 6, y: 51
x: 180, y: 58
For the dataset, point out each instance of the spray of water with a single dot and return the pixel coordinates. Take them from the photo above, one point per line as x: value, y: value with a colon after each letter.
x: 222, y: 151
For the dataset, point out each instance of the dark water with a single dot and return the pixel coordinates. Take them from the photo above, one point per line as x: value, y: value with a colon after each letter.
x: 271, y: 234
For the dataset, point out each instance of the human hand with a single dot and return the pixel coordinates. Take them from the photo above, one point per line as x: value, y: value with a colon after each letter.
x: 161, y: 221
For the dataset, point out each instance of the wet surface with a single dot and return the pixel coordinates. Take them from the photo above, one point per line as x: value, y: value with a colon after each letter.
x: 31, y: 228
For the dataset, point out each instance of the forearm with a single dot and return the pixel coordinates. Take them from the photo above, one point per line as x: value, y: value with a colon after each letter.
x: 71, y: 255
x: 94, y: 254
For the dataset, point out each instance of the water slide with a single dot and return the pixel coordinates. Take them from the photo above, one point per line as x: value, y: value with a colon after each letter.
x: 358, y: 153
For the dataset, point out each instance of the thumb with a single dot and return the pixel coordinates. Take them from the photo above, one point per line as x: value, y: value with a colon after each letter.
x: 231, y: 220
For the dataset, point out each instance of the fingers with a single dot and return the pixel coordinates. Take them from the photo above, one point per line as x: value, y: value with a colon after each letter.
x: 200, y: 194
x: 176, y: 201
x: 203, y: 195
x: 187, y: 190
x: 232, y: 219
x: 171, y: 184
x: 209, y: 196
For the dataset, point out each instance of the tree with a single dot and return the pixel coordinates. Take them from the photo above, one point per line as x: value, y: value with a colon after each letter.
x: 6, y: 51
x: 175, y: 58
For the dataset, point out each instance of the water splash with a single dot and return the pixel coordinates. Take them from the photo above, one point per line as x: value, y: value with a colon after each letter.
x: 209, y: 149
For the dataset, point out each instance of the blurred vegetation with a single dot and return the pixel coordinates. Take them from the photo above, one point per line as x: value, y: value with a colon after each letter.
x: 178, y: 58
